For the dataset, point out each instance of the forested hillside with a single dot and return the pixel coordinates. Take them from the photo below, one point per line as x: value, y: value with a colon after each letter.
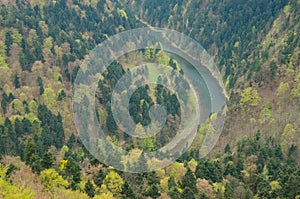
x: 255, y: 45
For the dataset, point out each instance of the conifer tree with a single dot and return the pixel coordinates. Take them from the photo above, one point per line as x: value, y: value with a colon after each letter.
x: 89, y: 189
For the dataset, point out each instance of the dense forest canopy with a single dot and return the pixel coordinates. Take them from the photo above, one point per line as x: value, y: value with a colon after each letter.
x: 255, y: 45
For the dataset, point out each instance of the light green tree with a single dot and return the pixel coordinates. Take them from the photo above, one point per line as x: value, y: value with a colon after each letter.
x: 3, y: 57
x: 283, y: 90
x: 265, y: 114
x: 43, y: 27
x: 33, y: 106
x: 40, y: 3
x: 49, y: 97
x: 48, y: 43
x: 163, y: 58
x: 289, y: 130
x: 148, y: 144
x: 296, y: 90
x: 250, y: 97
x: 52, y: 180
x: 288, y: 135
x: 9, y: 190
x: 16, y: 36
x: 17, y: 105
x: 113, y: 182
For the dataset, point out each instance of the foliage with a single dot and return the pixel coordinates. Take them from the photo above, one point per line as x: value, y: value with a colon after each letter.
x: 113, y: 182
x: 71, y: 171
x: 89, y: 189
x: 8, y: 190
x: 3, y: 56
x: 249, y: 97
x: 188, y: 182
x: 255, y: 44
x: 52, y: 180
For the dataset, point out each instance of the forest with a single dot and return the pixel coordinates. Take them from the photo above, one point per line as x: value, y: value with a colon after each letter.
x: 255, y: 45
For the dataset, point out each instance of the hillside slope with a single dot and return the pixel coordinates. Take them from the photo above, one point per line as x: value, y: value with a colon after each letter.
x: 255, y: 45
